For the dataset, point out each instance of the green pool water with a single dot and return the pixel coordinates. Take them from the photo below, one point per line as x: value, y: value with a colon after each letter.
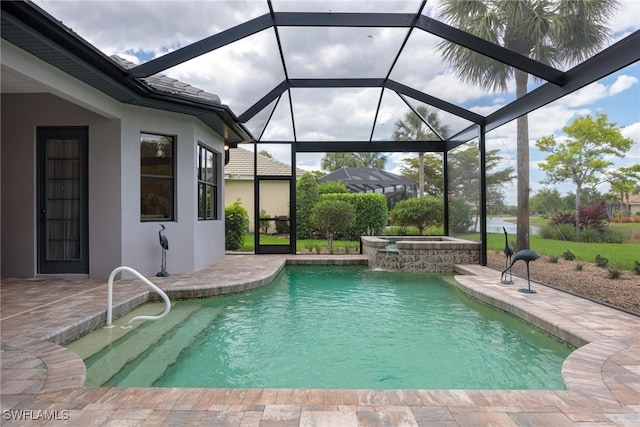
x: 340, y: 327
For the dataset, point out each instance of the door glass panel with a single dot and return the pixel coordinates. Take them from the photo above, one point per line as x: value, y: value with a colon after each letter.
x: 63, y: 204
x: 274, y: 212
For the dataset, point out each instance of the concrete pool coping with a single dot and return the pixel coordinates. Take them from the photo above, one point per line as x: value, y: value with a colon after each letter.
x: 602, y: 377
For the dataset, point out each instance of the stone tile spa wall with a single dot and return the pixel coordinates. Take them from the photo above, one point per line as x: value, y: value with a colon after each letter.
x: 431, y: 254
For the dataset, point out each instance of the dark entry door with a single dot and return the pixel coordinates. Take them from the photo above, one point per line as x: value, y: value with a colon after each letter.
x: 62, y: 200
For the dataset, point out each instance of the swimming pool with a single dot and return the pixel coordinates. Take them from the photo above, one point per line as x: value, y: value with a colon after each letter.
x: 338, y: 327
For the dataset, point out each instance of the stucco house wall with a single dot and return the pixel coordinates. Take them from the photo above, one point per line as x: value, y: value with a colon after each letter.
x: 634, y: 204
x: 243, y: 189
x: 275, y: 198
x: 117, y: 236
x: 21, y: 115
x: 193, y: 244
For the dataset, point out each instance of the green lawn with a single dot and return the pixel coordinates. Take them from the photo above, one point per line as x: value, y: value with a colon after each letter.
x: 540, y: 221
x: 312, y: 245
x: 622, y: 255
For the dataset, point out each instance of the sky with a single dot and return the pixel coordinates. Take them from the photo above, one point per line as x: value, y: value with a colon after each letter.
x: 241, y: 73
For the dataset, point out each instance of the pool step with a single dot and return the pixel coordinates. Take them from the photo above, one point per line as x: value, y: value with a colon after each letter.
x: 101, y: 338
x: 115, y: 356
x: 150, y: 367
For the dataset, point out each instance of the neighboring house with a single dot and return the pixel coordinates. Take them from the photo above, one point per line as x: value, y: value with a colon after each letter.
x: 94, y: 160
x: 634, y: 204
x: 239, y: 183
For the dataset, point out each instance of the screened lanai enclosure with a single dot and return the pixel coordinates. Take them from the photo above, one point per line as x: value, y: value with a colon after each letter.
x: 306, y: 78
x: 374, y: 180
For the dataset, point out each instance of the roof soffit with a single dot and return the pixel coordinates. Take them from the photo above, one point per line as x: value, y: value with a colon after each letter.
x: 39, y: 34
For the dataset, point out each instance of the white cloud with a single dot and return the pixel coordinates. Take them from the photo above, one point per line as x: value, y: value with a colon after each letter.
x: 597, y: 91
x: 449, y: 88
x: 248, y: 69
x: 117, y: 26
x: 622, y: 83
x: 627, y: 16
x: 586, y: 96
x: 485, y: 110
x: 632, y: 131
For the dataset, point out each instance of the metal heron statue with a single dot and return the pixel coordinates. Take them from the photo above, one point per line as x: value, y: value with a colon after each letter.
x: 527, y: 256
x: 164, y: 242
x: 508, y: 253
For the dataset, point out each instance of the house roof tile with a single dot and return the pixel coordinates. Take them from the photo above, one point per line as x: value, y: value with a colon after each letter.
x: 241, y: 164
x: 634, y: 199
x: 163, y: 83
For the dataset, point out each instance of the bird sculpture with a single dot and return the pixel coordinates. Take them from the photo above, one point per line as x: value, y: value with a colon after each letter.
x: 508, y: 253
x: 527, y: 256
x: 164, y: 242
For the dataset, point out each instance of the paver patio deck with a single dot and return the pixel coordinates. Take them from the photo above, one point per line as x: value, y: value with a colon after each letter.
x: 41, y: 379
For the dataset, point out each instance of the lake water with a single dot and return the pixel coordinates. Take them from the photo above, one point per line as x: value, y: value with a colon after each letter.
x: 495, y: 224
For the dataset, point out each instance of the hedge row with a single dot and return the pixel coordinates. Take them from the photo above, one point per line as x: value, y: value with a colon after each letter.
x: 371, y: 213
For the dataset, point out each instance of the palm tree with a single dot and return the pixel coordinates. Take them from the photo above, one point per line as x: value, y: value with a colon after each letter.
x: 624, y: 181
x: 562, y: 32
x: 413, y: 128
x: 370, y: 160
x: 433, y: 181
x: 464, y: 178
x: 334, y: 161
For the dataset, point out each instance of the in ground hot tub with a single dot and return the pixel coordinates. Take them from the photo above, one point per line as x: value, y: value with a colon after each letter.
x: 432, y: 254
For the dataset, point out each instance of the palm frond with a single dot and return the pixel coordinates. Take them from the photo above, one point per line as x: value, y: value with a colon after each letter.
x: 550, y: 31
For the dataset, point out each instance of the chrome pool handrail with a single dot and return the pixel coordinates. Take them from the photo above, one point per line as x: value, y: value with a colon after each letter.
x: 146, y: 282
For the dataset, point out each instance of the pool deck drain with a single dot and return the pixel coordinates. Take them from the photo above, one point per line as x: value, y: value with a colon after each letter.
x: 41, y: 380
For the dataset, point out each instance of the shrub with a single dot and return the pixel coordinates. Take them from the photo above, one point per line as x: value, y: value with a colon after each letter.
x: 622, y: 213
x: 553, y: 259
x: 548, y: 232
x: 309, y: 245
x: 568, y: 255
x: 460, y: 215
x: 593, y: 217
x: 265, y: 225
x: 236, y: 223
x: 398, y: 230
x: 282, y: 227
x: 332, y: 216
x: 626, y: 219
x: 601, y: 261
x: 613, y: 272
x: 331, y: 187
x: 612, y: 236
x: 636, y: 267
x: 370, y: 210
x: 421, y: 212
x: 306, y: 198
x: 590, y: 235
x: 563, y: 218
x: 558, y: 232
x: 579, y: 266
